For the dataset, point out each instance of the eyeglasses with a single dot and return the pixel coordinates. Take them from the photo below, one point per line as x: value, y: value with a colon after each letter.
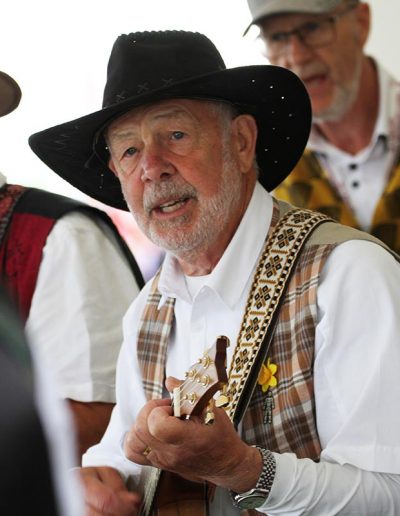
x: 314, y: 34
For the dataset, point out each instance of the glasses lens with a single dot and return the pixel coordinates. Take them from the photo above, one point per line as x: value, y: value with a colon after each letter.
x: 314, y: 34
x: 317, y: 34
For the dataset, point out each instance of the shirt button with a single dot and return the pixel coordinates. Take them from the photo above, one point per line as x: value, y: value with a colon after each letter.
x: 355, y: 184
x: 353, y: 166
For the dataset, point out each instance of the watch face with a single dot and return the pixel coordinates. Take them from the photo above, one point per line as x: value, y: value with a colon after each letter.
x: 251, y: 501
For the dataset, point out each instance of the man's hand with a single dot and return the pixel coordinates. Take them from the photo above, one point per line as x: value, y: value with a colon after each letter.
x: 105, y: 493
x: 190, y: 448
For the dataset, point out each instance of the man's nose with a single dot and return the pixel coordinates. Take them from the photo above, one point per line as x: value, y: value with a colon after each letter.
x: 154, y: 165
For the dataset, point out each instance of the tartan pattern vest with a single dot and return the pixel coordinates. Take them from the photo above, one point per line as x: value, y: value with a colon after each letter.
x: 292, y: 427
x: 308, y: 186
x: 27, y: 217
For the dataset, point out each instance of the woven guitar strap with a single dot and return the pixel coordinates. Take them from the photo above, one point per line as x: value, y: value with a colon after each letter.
x: 277, y: 261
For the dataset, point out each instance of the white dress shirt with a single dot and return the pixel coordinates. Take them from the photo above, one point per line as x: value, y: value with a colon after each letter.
x: 357, y: 358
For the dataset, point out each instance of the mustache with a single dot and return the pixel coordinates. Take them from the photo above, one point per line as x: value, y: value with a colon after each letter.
x: 166, y: 191
x: 310, y: 70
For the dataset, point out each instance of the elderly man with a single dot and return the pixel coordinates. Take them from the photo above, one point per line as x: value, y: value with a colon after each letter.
x: 307, y: 420
x: 350, y: 169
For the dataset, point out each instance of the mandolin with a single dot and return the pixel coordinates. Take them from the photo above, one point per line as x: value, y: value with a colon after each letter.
x: 168, y: 494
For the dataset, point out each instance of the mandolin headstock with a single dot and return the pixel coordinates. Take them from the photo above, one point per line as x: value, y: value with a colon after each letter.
x: 202, y: 381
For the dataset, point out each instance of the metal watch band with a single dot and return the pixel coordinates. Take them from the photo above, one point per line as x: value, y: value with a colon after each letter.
x: 268, y: 472
x: 265, y: 481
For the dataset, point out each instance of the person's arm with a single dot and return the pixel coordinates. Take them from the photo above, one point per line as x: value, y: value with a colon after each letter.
x: 356, y: 392
x: 216, y: 454
x: 305, y: 487
x: 84, y: 288
x: 91, y: 420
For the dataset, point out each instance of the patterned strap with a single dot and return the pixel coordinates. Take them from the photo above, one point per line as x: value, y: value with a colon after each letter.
x: 273, y: 271
x: 9, y: 196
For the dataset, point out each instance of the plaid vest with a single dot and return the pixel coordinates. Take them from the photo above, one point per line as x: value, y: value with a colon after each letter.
x: 292, y: 427
x: 308, y: 186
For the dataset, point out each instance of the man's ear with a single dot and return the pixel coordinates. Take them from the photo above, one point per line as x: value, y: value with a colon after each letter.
x: 245, y: 132
x: 363, y: 14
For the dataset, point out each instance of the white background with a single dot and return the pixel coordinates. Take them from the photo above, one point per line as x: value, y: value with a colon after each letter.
x: 58, y: 52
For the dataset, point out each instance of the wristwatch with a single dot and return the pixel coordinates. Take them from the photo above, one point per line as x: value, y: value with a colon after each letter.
x: 259, y: 494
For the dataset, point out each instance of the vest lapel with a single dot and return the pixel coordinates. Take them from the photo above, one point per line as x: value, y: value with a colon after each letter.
x: 386, y: 219
x: 307, y: 186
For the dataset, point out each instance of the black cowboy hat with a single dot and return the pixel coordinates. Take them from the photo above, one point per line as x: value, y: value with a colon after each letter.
x: 10, y: 94
x: 148, y: 66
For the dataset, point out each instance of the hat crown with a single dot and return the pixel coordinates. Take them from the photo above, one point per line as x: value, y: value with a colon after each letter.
x: 142, y: 62
x: 10, y: 94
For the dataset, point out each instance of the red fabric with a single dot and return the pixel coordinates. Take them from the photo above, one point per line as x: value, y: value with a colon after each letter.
x: 8, y: 197
x: 21, y: 254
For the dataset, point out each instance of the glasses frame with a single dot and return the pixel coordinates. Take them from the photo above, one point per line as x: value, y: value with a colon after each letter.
x: 298, y: 32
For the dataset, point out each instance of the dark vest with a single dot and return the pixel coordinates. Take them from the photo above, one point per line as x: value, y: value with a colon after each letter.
x: 28, y: 215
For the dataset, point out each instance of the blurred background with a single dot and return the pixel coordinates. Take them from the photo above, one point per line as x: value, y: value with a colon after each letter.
x: 58, y: 53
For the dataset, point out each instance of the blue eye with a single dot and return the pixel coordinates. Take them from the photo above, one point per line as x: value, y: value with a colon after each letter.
x: 178, y: 135
x: 130, y: 152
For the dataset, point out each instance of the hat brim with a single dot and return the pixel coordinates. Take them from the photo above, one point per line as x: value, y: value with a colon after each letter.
x: 273, y: 95
x: 10, y: 94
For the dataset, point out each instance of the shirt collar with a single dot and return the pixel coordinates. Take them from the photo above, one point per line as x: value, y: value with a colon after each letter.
x: 3, y: 180
x: 232, y: 273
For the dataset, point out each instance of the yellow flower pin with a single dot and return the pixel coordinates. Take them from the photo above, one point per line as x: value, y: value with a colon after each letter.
x: 267, y: 377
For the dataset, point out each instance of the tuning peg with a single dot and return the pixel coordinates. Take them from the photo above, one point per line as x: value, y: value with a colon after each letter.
x: 226, y: 339
x: 222, y: 401
x: 210, y: 416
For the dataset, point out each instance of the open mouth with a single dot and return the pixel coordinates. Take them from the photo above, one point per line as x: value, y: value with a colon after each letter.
x: 314, y: 76
x: 171, y: 206
x: 314, y: 79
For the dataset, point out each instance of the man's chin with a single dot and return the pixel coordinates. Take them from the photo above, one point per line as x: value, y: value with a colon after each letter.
x: 179, y: 243
x: 167, y: 241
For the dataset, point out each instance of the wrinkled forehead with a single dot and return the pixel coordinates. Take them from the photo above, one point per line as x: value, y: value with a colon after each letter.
x: 170, y: 109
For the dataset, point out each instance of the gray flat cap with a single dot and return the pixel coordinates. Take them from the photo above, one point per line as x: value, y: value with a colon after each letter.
x: 261, y: 8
